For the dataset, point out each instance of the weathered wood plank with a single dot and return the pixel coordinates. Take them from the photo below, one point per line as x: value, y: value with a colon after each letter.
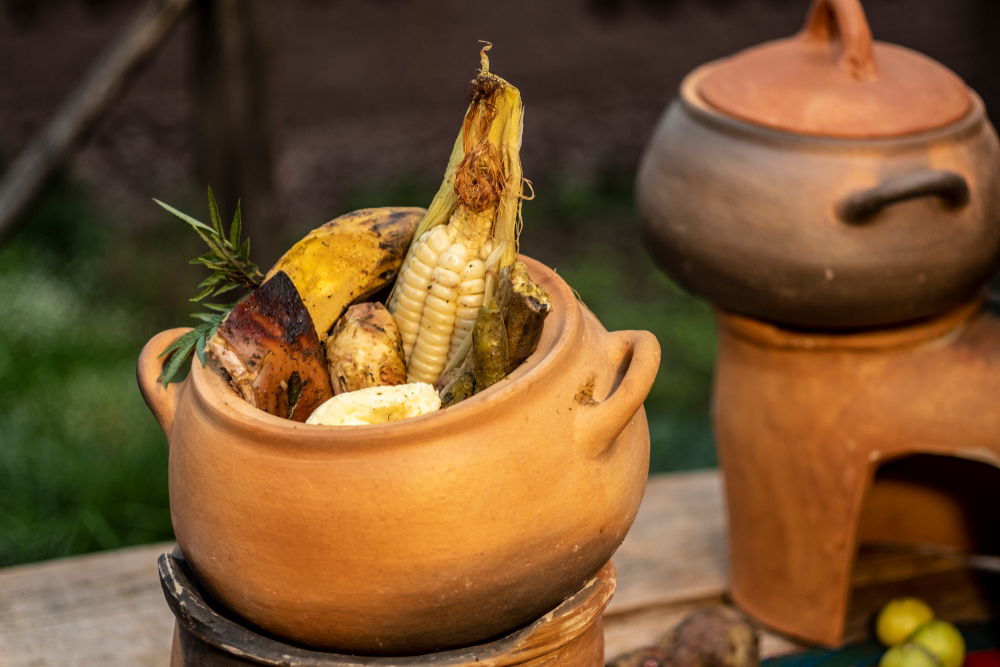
x: 101, y: 609
x: 676, y: 550
x: 673, y: 560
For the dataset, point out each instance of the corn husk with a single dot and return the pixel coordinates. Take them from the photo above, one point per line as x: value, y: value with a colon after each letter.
x: 484, y: 174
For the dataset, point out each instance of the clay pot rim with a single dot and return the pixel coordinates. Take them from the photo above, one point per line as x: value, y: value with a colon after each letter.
x: 218, y: 400
x: 699, y: 108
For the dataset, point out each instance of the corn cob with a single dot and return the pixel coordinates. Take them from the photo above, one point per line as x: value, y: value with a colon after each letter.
x: 468, y: 234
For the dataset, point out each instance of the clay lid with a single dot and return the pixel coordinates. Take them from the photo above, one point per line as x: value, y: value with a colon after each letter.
x: 832, y: 80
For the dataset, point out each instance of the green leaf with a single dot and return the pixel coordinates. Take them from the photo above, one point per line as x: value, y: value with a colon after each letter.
x: 213, y: 211
x: 215, y: 246
x: 201, y: 295
x: 185, y: 217
x: 207, y: 238
x: 200, y: 350
x: 186, y: 339
x: 222, y: 308
x: 224, y: 289
x: 217, y: 266
x: 173, y: 365
x: 231, y: 267
x: 236, y: 228
x: 179, y: 355
x: 212, y: 280
x: 181, y: 349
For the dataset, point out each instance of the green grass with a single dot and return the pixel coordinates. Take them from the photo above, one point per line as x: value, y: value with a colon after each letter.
x: 82, y: 461
x: 83, y: 464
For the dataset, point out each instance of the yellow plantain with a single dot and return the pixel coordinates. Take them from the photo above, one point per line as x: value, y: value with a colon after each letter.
x: 348, y: 259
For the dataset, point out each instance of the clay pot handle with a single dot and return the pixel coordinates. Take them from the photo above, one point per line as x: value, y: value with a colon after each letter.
x: 162, y: 402
x: 950, y: 187
x: 637, y: 356
x: 844, y: 22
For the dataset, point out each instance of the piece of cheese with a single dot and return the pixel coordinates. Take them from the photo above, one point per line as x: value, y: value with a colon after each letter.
x: 376, y: 405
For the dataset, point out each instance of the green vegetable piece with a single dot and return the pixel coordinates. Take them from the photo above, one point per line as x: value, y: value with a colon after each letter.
x: 525, y: 306
x: 489, y: 347
x: 461, y: 385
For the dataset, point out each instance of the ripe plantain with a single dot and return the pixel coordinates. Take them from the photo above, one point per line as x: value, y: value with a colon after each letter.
x: 348, y: 259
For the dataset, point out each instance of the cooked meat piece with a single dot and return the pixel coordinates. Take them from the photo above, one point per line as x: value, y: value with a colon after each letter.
x: 270, y: 349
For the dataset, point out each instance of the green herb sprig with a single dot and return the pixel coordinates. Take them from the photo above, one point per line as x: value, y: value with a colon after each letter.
x: 229, y: 260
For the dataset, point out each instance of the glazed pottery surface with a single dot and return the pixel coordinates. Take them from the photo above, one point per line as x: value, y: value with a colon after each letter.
x: 813, y: 228
x: 427, y: 534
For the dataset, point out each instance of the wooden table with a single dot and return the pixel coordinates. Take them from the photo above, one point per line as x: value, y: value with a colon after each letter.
x: 107, y: 609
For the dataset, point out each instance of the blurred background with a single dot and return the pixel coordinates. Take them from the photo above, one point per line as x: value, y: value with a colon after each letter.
x: 307, y: 109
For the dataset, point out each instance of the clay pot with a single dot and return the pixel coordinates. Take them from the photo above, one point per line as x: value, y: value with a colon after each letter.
x: 825, y: 181
x: 432, y: 533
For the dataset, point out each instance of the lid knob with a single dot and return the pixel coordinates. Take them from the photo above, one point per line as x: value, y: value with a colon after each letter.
x: 832, y: 80
x: 842, y: 24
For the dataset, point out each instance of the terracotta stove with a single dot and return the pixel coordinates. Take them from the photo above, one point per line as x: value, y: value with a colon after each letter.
x: 207, y: 635
x: 837, y: 200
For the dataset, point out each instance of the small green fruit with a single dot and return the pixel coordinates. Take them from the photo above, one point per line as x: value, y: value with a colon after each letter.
x: 908, y: 655
x: 943, y: 640
x: 899, y: 618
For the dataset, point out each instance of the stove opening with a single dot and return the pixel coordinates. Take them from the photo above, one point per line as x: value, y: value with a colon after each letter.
x: 926, y: 499
x: 930, y: 527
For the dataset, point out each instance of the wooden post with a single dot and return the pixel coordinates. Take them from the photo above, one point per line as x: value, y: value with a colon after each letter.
x: 236, y: 127
x: 105, y: 82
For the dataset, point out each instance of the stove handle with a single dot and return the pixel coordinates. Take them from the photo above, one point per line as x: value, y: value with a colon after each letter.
x: 859, y: 207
